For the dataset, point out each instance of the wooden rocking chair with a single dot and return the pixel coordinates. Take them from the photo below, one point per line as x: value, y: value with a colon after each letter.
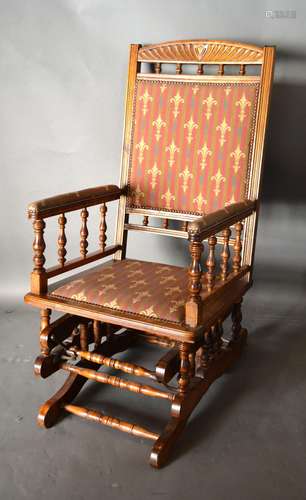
x: 195, y: 122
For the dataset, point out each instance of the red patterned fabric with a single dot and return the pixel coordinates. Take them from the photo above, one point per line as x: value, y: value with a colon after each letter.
x: 144, y: 288
x: 191, y: 144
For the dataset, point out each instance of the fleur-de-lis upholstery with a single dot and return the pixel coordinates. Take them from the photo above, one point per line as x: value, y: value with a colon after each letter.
x: 158, y: 288
x: 204, y: 130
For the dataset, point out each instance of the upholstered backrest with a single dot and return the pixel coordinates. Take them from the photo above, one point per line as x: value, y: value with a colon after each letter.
x: 191, y: 143
x: 195, y: 123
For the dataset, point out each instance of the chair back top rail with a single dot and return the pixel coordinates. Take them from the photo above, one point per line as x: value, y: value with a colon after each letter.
x: 202, y: 51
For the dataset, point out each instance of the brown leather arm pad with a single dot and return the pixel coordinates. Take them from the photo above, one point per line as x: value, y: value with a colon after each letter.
x: 211, y: 224
x: 73, y: 201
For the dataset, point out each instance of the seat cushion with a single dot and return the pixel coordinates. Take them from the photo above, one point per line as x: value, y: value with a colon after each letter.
x: 142, y: 288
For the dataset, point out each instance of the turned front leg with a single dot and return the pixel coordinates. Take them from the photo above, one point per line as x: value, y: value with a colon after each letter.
x: 185, y: 369
x: 193, y: 305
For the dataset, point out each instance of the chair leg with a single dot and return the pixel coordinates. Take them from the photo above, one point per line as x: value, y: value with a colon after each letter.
x: 237, y: 330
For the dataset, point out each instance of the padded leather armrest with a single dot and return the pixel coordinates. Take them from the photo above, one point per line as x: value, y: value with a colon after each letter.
x: 73, y: 201
x: 214, y: 222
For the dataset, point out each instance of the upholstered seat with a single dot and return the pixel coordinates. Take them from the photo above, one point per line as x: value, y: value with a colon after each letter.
x: 142, y: 288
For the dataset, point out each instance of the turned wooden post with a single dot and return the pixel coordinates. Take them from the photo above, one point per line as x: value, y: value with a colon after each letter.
x: 157, y: 67
x: 62, y: 240
x: 103, y: 227
x: 44, y: 322
x: 237, y: 248
x: 84, y: 336
x: 178, y: 68
x: 145, y: 220
x: 200, y: 69
x: 211, y: 263
x: 185, y: 225
x: 193, y: 305
x: 165, y: 223
x: 38, y: 276
x: 221, y: 69
x: 225, y: 254
x: 242, y: 69
x: 97, y: 333
x: 184, y: 375
x: 236, y: 319
x: 84, y: 233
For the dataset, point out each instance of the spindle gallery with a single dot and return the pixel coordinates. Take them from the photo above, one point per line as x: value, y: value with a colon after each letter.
x: 191, y: 169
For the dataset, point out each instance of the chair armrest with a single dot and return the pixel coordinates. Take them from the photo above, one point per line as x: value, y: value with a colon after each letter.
x: 73, y: 201
x: 214, y: 222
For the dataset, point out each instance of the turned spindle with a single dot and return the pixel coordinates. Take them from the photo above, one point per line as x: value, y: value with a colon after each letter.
x: 184, y: 374
x: 84, y: 233
x: 39, y: 283
x: 185, y: 225
x: 211, y: 263
x: 221, y: 69
x: 145, y: 220
x: 97, y: 333
x: 193, y: 305
x: 178, y: 68
x: 225, y: 254
x: 62, y: 240
x: 45, y: 315
x: 83, y: 336
x: 242, y: 69
x: 39, y: 246
x: 165, y: 223
x: 103, y: 227
x: 200, y: 69
x: 237, y: 248
x: 157, y: 67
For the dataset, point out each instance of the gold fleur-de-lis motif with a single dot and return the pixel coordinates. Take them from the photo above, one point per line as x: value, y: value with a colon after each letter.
x: 218, y: 177
x: 132, y: 264
x: 186, y: 175
x: 195, y: 89
x: 243, y: 103
x: 227, y: 90
x: 137, y: 195
x: 166, y: 279
x: 158, y: 123
x: 79, y: 296
x: 237, y: 155
x: 231, y: 201
x: 105, y: 276
x: 142, y: 147
x: 190, y: 125
x: 223, y: 127
x: 154, y: 171
x: 137, y: 283
x: 138, y: 272
x: 149, y: 312
x: 141, y: 295
x: 204, y: 152
x: 168, y: 197
x: 176, y: 304
x: 177, y: 100
x: 163, y: 88
x: 145, y: 98
x: 199, y: 201
x: 210, y: 102
x: 113, y: 304
x: 172, y: 289
x: 105, y: 288
x: 172, y: 150
x: 162, y: 269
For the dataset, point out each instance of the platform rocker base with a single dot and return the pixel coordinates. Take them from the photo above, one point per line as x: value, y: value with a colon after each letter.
x: 198, y: 367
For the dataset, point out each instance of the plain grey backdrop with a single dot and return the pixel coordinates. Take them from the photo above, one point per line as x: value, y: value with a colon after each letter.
x: 63, y: 68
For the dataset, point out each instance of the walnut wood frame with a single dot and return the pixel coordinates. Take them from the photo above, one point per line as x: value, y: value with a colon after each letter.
x: 198, y: 351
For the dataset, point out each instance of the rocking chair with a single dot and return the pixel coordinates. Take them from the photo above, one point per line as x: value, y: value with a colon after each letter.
x: 195, y: 122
